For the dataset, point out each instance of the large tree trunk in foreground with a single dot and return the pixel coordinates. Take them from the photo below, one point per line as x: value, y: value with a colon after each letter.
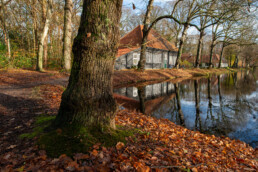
x: 88, y: 100
x: 181, y: 43
x: 67, y: 46
x: 43, y: 36
x: 146, y: 22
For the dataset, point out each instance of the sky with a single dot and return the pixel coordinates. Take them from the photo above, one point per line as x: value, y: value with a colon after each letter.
x: 141, y: 5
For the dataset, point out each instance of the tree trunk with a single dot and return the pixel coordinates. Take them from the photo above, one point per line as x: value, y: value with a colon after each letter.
x: 199, y: 49
x: 43, y: 37
x: 211, y: 54
x: 230, y: 58
x: 235, y: 65
x: 6, y: 33
x: 45, y: 53
x: 88, y: 100
x: 146, y: 22
x: 67, y: 45
x: 221, y: 55
x: 181, y: 43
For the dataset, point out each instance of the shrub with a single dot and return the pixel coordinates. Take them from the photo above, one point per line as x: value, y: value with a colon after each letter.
x: 186, y: 64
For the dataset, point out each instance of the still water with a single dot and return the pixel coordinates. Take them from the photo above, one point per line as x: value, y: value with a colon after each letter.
x: 221, y: 105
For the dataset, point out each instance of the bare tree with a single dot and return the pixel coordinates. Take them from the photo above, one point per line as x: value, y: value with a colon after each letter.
x: 146, y: 22
x: 43, y: 35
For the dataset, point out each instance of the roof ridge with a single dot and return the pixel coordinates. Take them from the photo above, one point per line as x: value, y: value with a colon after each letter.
x: 130, y: 32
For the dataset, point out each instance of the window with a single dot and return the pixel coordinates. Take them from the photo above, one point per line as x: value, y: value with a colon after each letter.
x: 165, y: 88
x: 148, y: 58
x: 136, y: 58
x: 157, y: 58
x: 165, y: 56
x: 135, y: 92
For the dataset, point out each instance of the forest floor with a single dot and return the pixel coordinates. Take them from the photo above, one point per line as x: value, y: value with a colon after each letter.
x: 161, y: 146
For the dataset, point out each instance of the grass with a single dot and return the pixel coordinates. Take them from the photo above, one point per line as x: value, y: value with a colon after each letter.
x: 70, y: 140
x: 40, y: 124
x: 80, y: 139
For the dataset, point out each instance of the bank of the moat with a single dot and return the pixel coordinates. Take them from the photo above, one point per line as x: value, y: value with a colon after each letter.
x: 223, y: 104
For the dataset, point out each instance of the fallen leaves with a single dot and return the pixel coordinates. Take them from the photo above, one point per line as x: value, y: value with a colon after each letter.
x: 119, y: 145
x: 162, y: 146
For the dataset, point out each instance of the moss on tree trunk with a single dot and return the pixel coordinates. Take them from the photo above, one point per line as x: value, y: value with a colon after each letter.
x: 88, y: 100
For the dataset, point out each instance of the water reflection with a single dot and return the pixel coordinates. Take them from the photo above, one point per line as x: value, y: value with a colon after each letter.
x: 220, y: 105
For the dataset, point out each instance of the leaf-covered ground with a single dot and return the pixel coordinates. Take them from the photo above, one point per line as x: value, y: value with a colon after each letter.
x: 161, y: 146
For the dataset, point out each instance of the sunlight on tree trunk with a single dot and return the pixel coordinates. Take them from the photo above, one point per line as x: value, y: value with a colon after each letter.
x: 199, y: 50
x: 88, y: 100
x: 146, y: 22
x: 181, y: 44
x: 43, y: 37
x: 67, y: 45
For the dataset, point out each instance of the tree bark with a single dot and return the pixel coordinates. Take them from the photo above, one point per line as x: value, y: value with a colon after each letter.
x: 221, y: 54
x: 88, y: 100
x: 211, y: 54
x: 235, y: 65
x: 67, y: 45
x: 43, y: 36
x: 146, y: 22
x: 181, y: 43
x: 6, y: 33
x: 45, y: 53
x: 199, y: 49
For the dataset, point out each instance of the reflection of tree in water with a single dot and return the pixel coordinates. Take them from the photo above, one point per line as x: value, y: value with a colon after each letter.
x: 198, y: 122
x: 179, y: 110
x: 141, y: 94
x: 209, y: 109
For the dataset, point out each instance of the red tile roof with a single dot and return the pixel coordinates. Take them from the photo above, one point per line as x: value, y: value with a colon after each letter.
x: 133, y: 39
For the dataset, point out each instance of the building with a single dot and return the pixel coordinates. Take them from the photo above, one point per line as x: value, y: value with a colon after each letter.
x: 205, y: 60
x: 160, y: 52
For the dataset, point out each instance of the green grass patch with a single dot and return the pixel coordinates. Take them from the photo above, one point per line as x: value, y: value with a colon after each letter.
x: 72, y: 139
x: 40, y: 124
x: 80, y: 139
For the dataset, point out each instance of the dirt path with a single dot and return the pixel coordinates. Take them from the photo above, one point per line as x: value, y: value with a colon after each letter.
x: 20, y: 103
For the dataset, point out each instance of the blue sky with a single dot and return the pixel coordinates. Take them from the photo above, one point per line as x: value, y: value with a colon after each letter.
x: 141, y: 5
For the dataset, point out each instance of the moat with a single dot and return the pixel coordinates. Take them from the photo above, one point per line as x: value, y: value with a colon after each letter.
x: 221, y: 104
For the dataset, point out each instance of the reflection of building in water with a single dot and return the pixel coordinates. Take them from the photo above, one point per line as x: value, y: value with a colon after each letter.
x: 151, y: 91
x: 155, y: 96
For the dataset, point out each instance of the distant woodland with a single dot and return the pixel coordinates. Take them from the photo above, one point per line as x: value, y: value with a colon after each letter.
x: 38, y: 34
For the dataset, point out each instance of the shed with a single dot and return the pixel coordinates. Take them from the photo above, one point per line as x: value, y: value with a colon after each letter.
x: 160, y: 52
